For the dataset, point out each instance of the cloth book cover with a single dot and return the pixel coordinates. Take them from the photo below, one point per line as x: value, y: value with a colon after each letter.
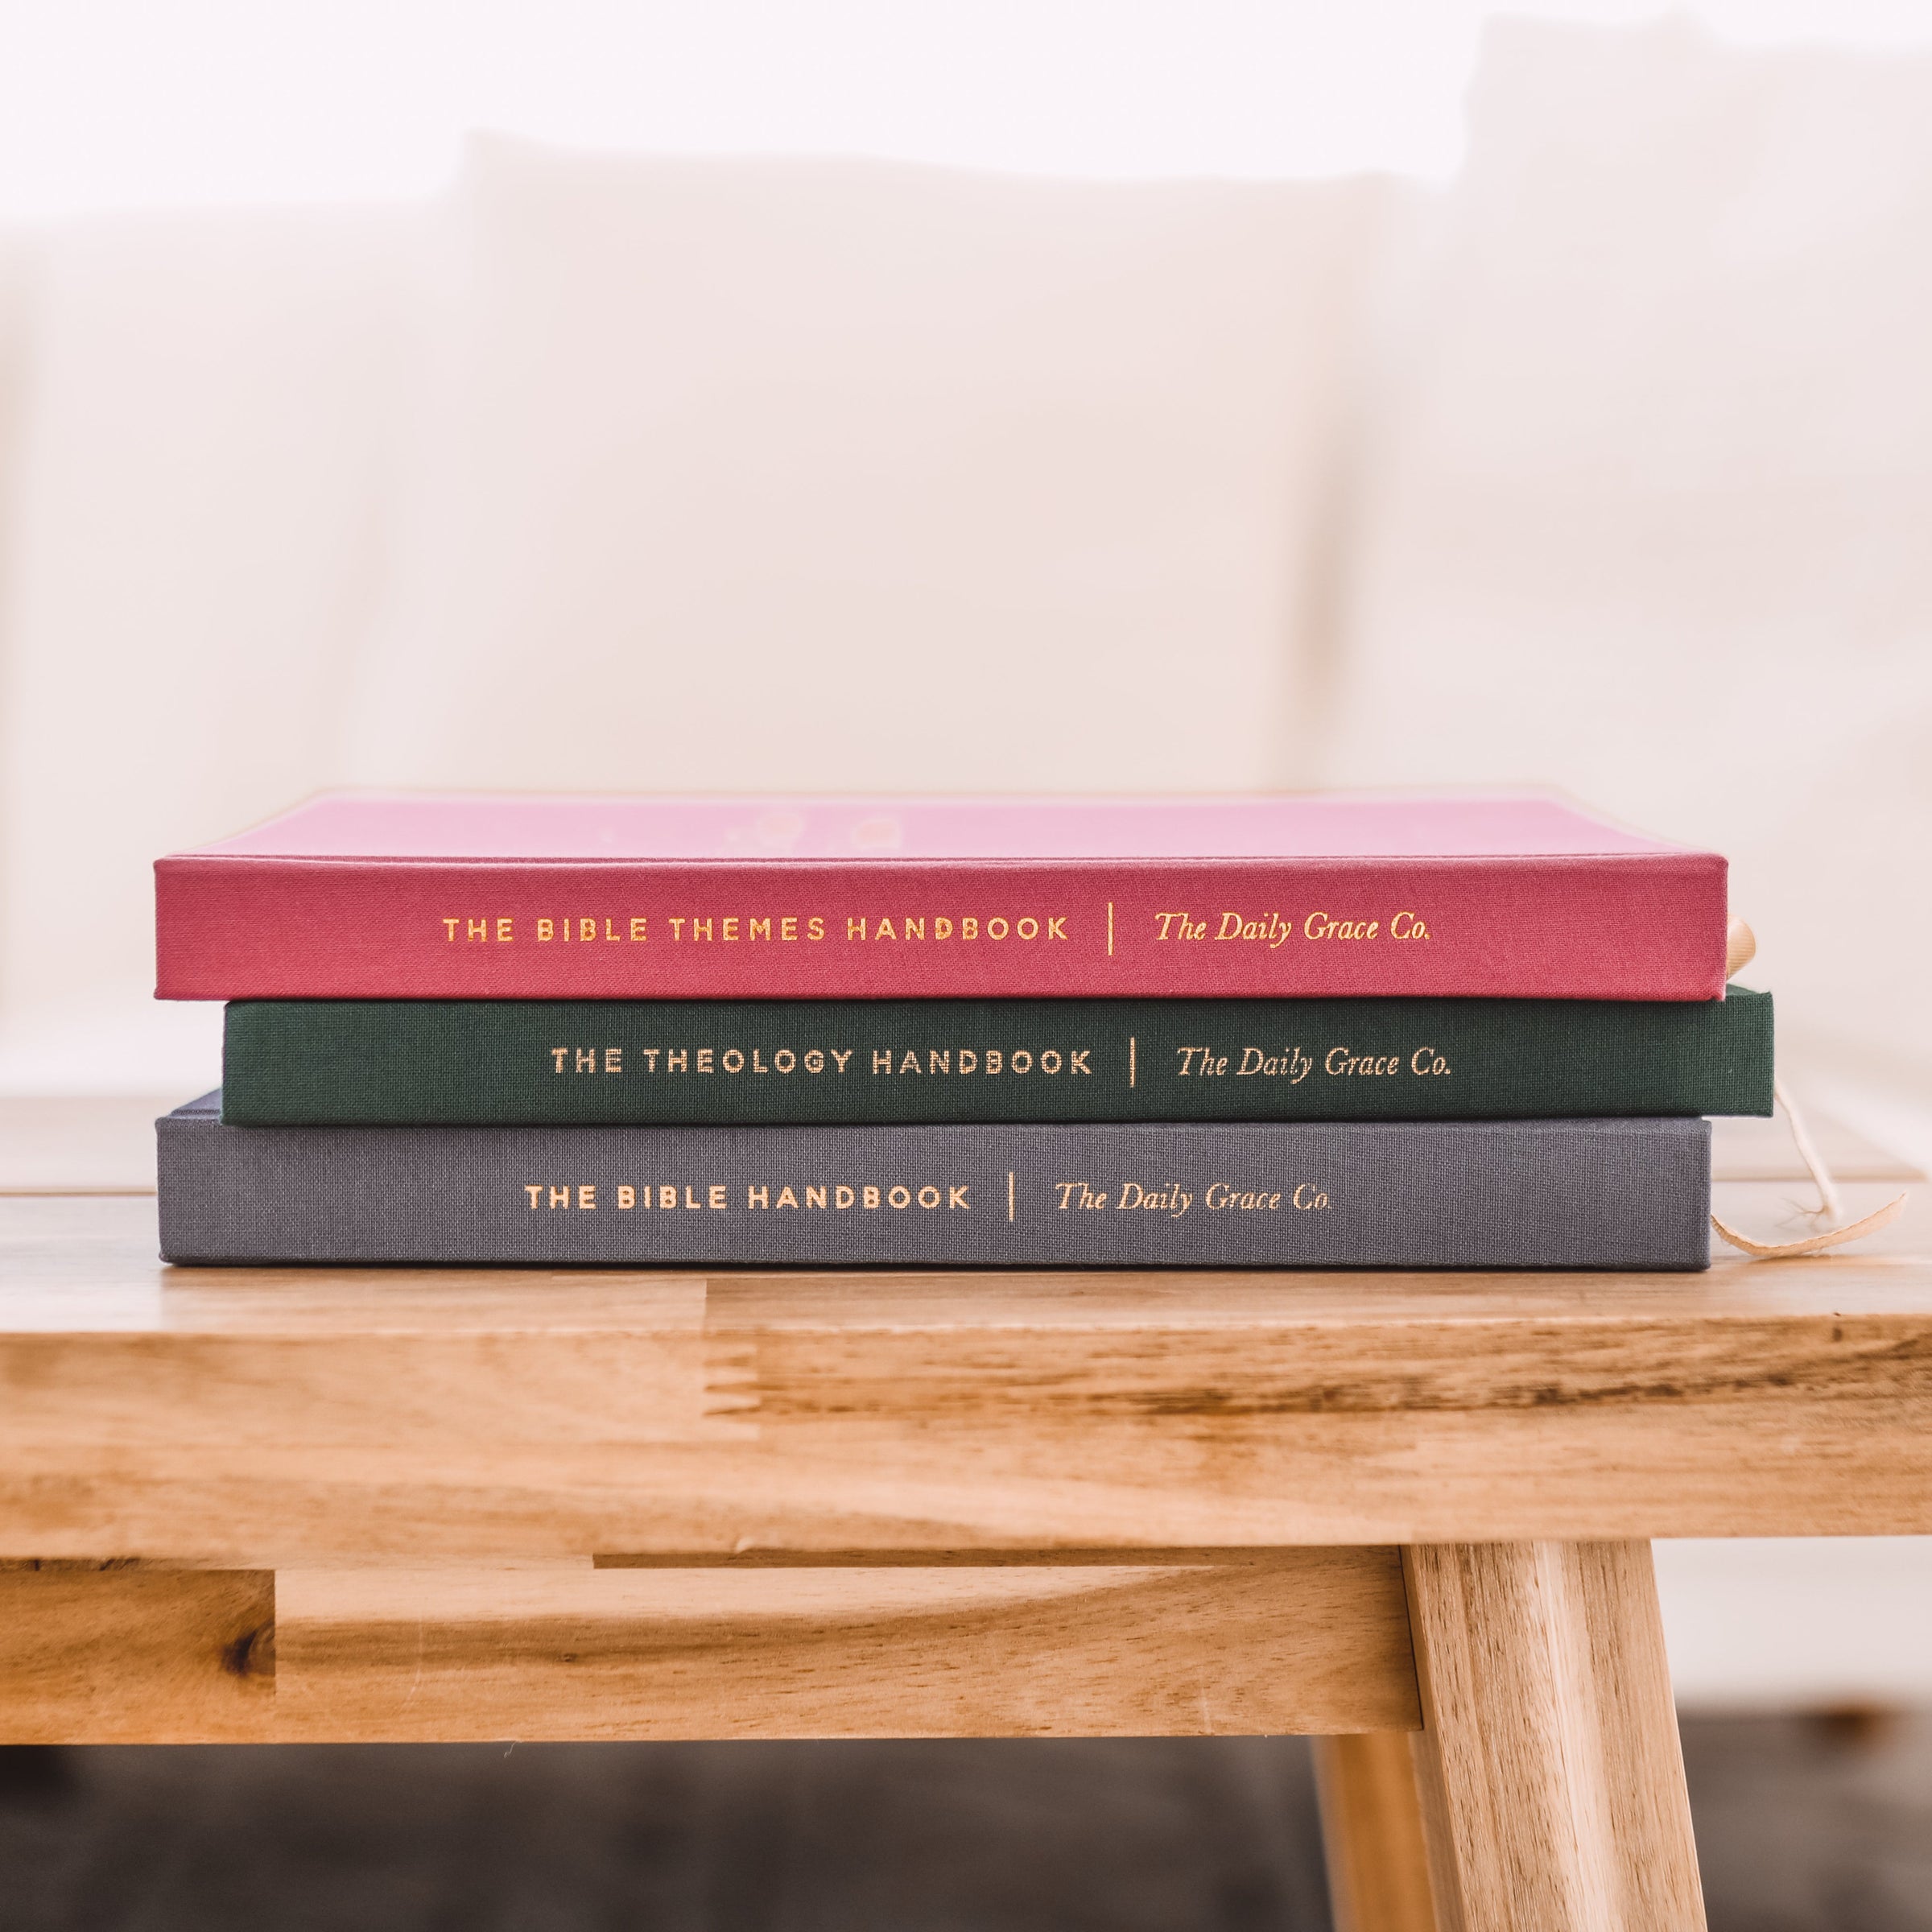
x: 484, y: 1062
x: 421, y: 897
x: 1629, y: 1194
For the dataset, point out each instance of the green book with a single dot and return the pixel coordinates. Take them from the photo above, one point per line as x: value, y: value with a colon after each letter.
x: 796, y: 1062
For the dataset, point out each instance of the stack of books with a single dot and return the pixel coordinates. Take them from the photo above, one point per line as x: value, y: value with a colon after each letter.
x: 1348, y: 1032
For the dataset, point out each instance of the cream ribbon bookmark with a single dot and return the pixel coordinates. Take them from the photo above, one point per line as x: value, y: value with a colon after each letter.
x: 1816, y: 1243
x: 1830, y: 1204
x: 1740, y: 949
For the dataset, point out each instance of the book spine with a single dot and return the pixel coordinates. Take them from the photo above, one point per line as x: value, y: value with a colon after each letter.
x: 1553, y: 1194
x: 1644, y: 927
x: 401, y: 1062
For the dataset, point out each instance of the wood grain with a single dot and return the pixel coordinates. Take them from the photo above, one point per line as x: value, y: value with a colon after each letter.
x: 1554, y: 1781
x: 97, y: 1653
x: 1372, y: 1833
x: 1188, y: 1643
x: 309, y: 1417
x: 1310, y: 1641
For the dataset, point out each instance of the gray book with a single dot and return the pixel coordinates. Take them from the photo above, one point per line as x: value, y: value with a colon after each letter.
x: 1621, y: 1193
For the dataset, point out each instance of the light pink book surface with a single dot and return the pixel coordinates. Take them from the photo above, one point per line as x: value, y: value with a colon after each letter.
x: 387, y: 896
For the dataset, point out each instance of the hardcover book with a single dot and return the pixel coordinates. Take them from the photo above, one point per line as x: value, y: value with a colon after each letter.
x: 402, y: 897
x: 501, y: 1063
x: 1540, y: 1194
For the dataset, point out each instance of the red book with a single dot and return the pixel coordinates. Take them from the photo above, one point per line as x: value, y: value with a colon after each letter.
x: 374, y: 896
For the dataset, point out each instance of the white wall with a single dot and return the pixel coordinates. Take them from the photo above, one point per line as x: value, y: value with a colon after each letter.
x: 114, y: 104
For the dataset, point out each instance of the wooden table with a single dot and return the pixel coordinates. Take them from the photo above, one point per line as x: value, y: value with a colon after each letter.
x: 1407, y: 1513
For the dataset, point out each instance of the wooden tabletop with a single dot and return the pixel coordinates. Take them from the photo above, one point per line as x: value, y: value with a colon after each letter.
x: 327, y: 1503
x: 255, y: 1417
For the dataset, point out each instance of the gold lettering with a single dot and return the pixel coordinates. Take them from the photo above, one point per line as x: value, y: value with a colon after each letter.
x: 1318, y: 926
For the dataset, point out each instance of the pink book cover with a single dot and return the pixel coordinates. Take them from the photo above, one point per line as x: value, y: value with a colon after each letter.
x: 400, y: 896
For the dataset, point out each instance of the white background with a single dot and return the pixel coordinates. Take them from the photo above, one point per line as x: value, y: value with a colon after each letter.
x: 118, y: 104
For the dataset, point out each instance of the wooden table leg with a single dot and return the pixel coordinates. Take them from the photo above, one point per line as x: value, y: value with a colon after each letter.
x: 1551, y: 1778
x: 1372, y: 1833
